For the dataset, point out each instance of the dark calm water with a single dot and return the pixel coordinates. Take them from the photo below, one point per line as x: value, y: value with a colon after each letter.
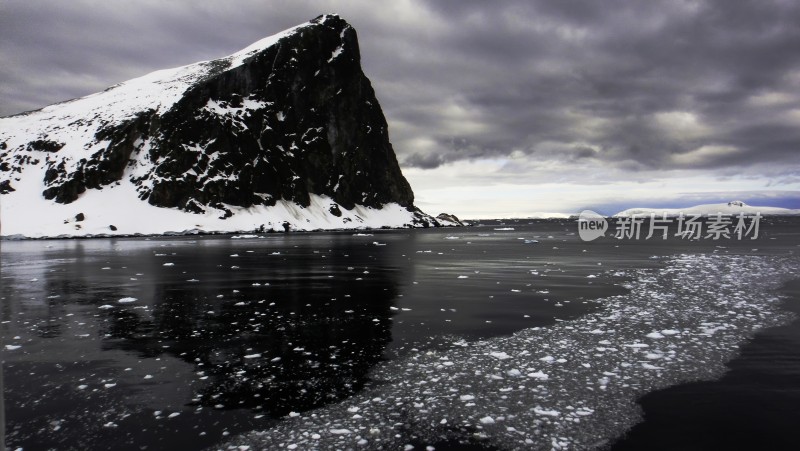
x: 185, y: 342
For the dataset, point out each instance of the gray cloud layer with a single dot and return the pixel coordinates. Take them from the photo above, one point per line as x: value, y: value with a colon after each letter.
x: 635, y: 84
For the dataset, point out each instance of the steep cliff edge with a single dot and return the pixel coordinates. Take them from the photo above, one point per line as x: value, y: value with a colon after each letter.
x: 285, y: 134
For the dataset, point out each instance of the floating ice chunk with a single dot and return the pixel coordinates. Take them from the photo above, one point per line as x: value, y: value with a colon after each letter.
x: 466, y: 397
x: 173, y: 414
x: 637, y: 345
x: 12, y: 347
x: 499, y: 355
x: 294, y: 414
x: 463, y: 277
x: 252, y: 356
x: 538, y: 375
x: 654, y: 335
x: 168, y: 264
x: 548, y: 359
x: 514, y: 372
x: 545, y: 412
x: 670, y: 332
x: 341, y: 431
x: 105, y: 306
x: 127, y: 300
x: 487, y: 420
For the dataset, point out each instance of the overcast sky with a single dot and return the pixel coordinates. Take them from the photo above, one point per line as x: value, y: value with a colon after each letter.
x: 494, y: 108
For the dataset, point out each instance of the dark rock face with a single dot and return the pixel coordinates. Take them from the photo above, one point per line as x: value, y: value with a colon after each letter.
x: 450, y: 218
x: 5, y: 187
x: 296, y: 118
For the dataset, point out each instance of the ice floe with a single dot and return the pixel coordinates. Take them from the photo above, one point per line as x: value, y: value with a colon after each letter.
x: 572, y: 385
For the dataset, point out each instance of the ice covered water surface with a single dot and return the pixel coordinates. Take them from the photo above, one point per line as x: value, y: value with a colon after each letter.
x: 573, y: 385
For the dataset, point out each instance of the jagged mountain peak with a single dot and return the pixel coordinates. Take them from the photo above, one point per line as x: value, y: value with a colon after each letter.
x: 289, y: 119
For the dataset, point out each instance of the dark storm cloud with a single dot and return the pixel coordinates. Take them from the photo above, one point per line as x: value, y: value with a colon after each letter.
x: 636, y: 84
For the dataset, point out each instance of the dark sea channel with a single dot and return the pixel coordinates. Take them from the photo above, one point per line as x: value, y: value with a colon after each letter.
x: 194, y: 342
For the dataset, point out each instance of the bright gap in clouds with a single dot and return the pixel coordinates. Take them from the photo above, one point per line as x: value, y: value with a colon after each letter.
x: 482, y: 189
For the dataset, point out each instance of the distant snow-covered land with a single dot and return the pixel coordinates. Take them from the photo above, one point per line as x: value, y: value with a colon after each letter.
x: 730, y: 208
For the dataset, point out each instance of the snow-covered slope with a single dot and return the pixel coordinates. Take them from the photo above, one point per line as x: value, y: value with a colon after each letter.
x: 730, y: 208
x: 286, y: 133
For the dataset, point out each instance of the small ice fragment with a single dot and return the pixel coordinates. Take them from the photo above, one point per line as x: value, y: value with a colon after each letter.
x: 487, y: 420
x: 127, y: 300
x: 168, y: 264
x: 173, y: 414
x: 466, y: 397
x: 252, y: 356
x: 538, y: 375
x: 12, y: 347
x: 341, y: 431
x: 499, y: 355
